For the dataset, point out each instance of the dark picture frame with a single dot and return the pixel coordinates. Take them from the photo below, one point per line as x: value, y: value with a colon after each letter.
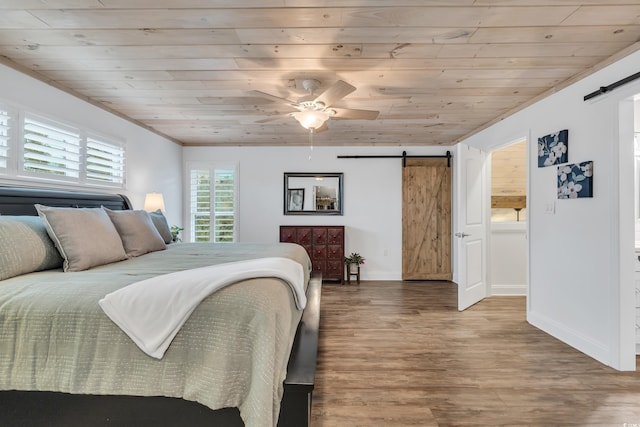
x: 295, y: 199
x: 323, y: 193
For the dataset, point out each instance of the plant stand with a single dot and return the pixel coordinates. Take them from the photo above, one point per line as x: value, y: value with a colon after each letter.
x: 353, y: 271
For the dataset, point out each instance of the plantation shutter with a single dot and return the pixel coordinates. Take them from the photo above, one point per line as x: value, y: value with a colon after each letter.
x: 213, y: 205
x: 4, y: 137
x: 50, y: 149
x: 200, y: 205
x: 41, y: 148
x: 224, y: 206
x: 104, y: 162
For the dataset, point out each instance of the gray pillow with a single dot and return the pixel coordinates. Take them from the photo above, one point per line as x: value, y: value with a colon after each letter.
x: 25, y: 246
x: 162, y: 225
x: 139, y: 235
x: 85, y: 237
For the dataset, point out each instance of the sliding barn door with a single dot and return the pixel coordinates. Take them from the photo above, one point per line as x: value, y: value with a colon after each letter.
x: 426, y: 220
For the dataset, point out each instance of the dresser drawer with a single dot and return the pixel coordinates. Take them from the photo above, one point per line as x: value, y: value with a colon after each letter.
x: 324, y: 244
x: 319, y: 252
x: 335, y: 252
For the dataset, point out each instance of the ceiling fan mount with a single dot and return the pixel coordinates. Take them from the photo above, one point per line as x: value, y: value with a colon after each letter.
x: 313, y: 111
x: 310, y: 85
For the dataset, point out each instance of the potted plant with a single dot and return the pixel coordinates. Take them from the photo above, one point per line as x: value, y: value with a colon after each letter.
x: 175, y: 233
x: 353, y: 262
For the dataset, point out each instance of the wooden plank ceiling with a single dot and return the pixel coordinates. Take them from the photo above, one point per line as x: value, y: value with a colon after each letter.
x: 437, y: 70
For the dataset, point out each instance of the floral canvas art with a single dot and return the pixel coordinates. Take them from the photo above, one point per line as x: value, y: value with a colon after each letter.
x: 553, y: 149
x: 575, y: 180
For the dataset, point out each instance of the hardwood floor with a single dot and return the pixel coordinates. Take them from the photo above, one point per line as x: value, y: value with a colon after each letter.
x: 400, y: 354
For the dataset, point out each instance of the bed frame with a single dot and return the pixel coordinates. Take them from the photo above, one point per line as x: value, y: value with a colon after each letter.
x: 35, y: 408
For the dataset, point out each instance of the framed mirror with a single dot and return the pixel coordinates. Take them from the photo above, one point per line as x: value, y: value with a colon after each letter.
x: 307, y: 193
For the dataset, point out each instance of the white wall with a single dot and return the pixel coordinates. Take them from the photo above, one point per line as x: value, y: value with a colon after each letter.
x: 153, y: 163
x: 508, y: 258
x: 636, y: 129
x: 372, y: 196
x: 580, y: 257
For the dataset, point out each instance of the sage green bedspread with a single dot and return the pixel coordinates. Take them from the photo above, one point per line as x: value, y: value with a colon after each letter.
x: 232, y: 352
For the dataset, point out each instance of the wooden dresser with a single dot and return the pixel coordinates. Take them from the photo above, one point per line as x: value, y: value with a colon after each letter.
x: 324, y: 244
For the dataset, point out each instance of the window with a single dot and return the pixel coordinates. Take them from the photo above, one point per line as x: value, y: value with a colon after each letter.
x: 41, y: 148
x: 200, y: 217
x: 105, y: 161
x: 213, y: 203
x: 50, y: 149
x: 4, y: 137
x: 224, y: 205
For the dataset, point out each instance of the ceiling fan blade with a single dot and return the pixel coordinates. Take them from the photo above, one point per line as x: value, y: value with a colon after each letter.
x: 351, y: 114
x: 335, y: 93
x: 274, y: 117
x: 321, y: 128
x: 274, y: 98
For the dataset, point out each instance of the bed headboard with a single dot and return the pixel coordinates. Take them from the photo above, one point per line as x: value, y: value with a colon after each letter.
x: 21, y: 200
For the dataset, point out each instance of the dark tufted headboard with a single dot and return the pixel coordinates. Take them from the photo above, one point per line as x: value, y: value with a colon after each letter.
x: 21, y: 200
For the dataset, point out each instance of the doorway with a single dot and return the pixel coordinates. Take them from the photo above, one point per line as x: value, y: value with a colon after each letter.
x: 508, y: 225
x: 636, y: 198
x: 473, y: 225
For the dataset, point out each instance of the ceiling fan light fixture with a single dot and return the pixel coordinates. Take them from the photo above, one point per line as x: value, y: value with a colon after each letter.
x: 311, y: 119
x: 314, y: 111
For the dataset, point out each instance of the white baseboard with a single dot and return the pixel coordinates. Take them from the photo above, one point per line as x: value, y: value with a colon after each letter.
x: 508, y: 290
x: 366, y: 274
x: 597, y: 350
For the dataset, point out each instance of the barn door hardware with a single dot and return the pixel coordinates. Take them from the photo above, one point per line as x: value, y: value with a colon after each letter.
x: 605, y: 89
x: 404, y: 157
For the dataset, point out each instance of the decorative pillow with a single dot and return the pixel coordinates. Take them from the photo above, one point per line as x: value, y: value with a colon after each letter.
x: 162, y: 225
x: 25, y: 246
x: 139, y: 235
x: 85, y: 237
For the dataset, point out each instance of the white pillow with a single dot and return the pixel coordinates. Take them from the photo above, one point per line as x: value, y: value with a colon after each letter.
x: 85, y: 237
x: 139, y: 235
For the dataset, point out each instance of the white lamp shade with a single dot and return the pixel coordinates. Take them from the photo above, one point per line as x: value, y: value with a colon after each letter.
x: 311, y: 119
x: 153, y: 202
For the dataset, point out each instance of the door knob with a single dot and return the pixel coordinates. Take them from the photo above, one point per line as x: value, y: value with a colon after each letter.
x: 462, y: 235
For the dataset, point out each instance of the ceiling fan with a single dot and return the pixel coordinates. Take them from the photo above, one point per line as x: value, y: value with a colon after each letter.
x: 314, y: 111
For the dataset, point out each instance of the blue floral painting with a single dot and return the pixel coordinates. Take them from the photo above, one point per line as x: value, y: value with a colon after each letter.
x: 553, y: 149
x: 575, y: 180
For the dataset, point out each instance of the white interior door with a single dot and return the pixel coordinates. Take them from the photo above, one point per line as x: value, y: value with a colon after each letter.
x: 471, y: 230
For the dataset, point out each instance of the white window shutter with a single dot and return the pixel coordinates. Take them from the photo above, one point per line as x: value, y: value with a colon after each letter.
x: 104, y: 162
x: 213, y: 204
x: 200, y: 217
x: 5, y: 129
x: 36, y: 147
x: 224, y: 206
x: 50, y: 149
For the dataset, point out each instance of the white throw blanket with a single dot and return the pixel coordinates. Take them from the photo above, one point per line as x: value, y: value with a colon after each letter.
x: 152, y: 311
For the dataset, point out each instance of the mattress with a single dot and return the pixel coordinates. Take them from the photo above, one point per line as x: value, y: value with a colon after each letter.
x: 231, y: 352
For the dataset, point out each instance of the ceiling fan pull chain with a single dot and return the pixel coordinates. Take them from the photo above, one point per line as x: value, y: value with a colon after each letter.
x: 310, y: 142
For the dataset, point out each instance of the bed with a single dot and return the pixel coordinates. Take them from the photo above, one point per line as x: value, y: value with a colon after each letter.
x: 245, y: 355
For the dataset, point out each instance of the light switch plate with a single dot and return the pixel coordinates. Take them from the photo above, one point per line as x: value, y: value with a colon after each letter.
x: 550, y: 208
